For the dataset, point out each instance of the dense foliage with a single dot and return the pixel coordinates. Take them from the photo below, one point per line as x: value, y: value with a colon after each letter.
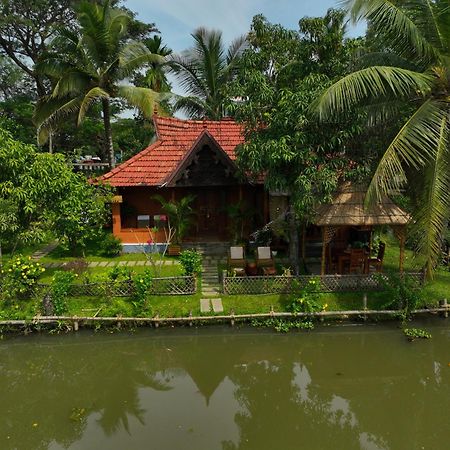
x: 412, y: 65
x: 280, y: 75
x: 40, y: 192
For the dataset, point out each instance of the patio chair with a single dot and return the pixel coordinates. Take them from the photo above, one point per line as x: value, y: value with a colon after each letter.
x: 265, y: 261
x: 358, y: 260
x: 377, y: 262
x: 236, y: 258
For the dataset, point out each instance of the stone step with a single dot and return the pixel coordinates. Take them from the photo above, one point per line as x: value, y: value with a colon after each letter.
x: 217, y: 305
x: 205, y: 305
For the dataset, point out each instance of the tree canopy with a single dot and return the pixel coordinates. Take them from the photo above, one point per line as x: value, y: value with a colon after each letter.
x: 414, y: 38
x: 39, y: 192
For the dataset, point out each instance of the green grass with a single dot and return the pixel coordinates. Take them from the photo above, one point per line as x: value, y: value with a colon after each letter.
x: 96, y: 274
x: 181, y: 306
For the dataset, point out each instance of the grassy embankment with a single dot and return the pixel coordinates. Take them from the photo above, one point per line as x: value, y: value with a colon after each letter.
x: 176, y: 306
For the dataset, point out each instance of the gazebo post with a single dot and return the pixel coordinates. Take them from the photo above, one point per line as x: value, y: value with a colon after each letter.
x: 324, y: 250
x: 116, y: 219
x: 402, y: 239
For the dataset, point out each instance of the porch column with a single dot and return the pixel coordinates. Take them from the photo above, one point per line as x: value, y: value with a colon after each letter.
x: 116, y: 220
x: 324, y: 250
x: 266, y: 207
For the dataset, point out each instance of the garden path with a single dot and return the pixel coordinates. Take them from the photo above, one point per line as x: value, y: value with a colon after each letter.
x: 44, y: 251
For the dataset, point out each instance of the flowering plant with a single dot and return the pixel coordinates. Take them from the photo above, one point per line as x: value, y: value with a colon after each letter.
x: 20, y: 275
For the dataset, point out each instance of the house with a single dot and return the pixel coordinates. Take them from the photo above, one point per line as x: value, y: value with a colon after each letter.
x: 189, y: 157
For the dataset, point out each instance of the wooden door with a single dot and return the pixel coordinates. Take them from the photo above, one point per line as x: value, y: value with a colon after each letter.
x: 211, y: 213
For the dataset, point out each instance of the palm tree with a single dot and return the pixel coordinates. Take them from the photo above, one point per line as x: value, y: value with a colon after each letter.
x: 180, y: 214
x: 89, y: 65
x: 156, y: 76
x: 203, y: 72
x: 417, y: 37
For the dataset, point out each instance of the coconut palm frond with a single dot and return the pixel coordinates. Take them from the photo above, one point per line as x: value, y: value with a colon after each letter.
x: 383, y: 112
x: 134, y: 55
x: 391, y: 19
x: 434, y: 205
x: 193, y: 107
x: 142, y: 98
x: 188, y: 75
x: 93, y: 95
x: 369, y: 83
x: 49, y: 114
x: 236, y: 48
x: 414, y: 145
x: 71, y: 82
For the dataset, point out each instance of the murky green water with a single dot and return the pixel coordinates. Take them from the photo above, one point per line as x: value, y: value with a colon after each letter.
x: 335, y: 388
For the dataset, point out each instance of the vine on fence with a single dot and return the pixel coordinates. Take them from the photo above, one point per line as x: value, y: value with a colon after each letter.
x: 60, y: 288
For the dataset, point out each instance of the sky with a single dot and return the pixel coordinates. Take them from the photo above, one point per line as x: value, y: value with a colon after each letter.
x: 177, y: 19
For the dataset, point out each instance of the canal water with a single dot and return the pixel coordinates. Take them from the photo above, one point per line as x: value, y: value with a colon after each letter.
x: 346, y: 387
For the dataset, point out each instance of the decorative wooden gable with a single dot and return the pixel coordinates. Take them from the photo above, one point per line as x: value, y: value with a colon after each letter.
x: 206, y: 164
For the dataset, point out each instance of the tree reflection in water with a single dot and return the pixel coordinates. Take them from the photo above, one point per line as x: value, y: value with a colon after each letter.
x: 364, y: 389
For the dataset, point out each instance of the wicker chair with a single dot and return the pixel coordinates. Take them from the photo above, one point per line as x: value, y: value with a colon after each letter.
x: 236, y: 258
x: 264, y: 261
x: 358, y: 260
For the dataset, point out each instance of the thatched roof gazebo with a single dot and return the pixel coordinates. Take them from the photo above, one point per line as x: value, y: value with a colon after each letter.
x: 347, y: 210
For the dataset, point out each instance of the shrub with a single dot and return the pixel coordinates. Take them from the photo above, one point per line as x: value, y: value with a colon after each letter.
x: 309, y: 299
x: 60, y: 287
x: 109, y: 245
x: 402, y: 292
x: 191, y: 262
x: 20, y: 276
x: 142, y: 284
x: 120, y: 273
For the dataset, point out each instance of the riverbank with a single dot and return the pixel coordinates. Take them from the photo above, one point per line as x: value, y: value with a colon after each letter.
x: 74, y: 323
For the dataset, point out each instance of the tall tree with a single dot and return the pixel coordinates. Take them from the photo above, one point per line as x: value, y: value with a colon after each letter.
x: 26, y: 28
x: 275, y: 85
x: 90, y: 65
x: 203, y: 72
x: 415, y: 34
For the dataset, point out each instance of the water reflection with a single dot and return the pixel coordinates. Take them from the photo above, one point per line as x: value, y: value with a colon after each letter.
x: 351, y: 389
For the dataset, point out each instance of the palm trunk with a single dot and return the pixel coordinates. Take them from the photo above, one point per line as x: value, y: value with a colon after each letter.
x: 108, y: 134
x: 50, y: 141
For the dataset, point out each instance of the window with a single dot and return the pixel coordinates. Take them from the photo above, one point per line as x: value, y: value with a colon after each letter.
x: 143, y: 221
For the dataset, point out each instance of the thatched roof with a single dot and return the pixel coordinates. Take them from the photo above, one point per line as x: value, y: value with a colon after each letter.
x: 348, y: 209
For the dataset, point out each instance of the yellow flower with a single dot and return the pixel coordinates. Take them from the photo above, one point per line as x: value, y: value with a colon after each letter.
x: 141, y: 281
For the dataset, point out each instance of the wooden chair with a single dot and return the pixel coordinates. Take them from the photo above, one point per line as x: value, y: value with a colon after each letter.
x: 377, y: 262
x: 265, y: 261
x: 236, y: 258
x: 358, y: 260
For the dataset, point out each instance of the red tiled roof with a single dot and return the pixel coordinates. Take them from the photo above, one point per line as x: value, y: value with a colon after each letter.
x: 155, y: 164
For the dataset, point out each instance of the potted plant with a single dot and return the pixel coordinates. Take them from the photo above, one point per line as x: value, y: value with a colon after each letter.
x: 179, y: 214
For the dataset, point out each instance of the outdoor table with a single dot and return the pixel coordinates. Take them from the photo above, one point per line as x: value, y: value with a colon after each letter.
x: 344, y: 257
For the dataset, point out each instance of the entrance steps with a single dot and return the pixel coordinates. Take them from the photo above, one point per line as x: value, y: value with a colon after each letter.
x: 209, y: 248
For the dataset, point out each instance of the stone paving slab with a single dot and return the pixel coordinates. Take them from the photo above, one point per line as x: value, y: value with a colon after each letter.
x: 44, y: 251
x: 205, y: 306
x: 103, y: 263
x: 140, y: 263
x: 93, y: 264
x: 217, y: 305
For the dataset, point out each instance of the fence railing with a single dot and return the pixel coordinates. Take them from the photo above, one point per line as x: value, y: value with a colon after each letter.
x: 327, y: 283
x: 183, y: 285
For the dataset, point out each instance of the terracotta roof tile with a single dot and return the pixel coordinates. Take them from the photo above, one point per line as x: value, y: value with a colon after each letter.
x: 176, y: 137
